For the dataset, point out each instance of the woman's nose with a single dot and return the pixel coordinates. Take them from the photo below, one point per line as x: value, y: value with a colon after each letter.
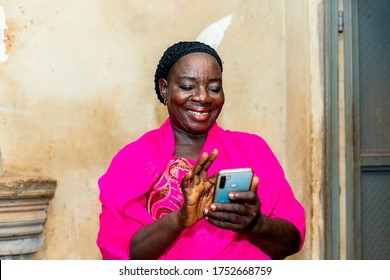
x: 201, y: 95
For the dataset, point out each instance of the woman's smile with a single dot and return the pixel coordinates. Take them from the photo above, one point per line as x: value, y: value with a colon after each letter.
x: 194, y: 93
x: 198, y: 116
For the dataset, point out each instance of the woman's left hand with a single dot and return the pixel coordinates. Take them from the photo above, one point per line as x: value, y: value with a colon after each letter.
x: 241, y: 214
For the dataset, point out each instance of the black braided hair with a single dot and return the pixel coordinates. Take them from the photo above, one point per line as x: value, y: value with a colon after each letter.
x: 174, y: 53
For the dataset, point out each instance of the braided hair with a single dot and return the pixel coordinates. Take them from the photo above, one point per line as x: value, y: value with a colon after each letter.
x: 173, y: 54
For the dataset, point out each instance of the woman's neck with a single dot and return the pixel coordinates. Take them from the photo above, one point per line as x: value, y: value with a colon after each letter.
x: 188, y: 145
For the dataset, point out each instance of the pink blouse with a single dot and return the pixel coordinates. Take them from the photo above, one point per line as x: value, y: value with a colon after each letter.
x: 165, y: 195
x: 142, y: 184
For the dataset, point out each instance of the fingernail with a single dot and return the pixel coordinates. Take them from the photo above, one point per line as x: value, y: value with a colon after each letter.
x: 232, y: 195
x: 205, y: 211
x: 213, y: 207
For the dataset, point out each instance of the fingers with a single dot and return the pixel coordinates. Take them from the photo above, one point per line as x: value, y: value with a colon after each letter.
x: 210, y: 159
x: 224, y: 224
x: 204, y: 163
x: 243, y: 204
x: 234, y: 216
x: 220, y: 209
x: 238, y: 221
x: 199, y: 172
x: 249, y: 197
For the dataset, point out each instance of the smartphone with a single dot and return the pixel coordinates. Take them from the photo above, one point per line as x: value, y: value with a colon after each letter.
x: 232, y: 180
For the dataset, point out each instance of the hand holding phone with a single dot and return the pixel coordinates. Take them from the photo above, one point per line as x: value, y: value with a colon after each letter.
x: 232, y: 180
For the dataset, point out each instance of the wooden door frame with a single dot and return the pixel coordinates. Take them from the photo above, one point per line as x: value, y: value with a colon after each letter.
x: 331, y: 198
x: 352, y: 148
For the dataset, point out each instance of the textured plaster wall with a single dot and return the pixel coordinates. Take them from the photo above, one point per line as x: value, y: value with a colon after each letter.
x: 78, y: 85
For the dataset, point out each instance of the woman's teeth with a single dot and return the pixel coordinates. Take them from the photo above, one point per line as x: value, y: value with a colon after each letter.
x: 199, y: 113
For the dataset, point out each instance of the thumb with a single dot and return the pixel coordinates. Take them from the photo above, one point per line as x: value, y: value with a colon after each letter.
x: 184, y: 181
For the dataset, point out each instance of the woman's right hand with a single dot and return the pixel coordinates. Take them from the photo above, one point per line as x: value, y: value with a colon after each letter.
x: 198, y: 193
x: 198, y: 190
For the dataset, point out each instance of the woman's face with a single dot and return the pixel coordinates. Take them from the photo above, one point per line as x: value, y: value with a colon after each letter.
x: 194, y: 93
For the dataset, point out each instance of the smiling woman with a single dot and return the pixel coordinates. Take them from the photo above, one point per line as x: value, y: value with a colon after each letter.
x: 194, y: 96
x: 157, y: 194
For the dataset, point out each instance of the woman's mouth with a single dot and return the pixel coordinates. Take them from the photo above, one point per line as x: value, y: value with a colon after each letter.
x: 199, y: 116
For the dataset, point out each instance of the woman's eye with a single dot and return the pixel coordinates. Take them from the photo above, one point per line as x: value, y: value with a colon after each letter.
x: 187, y: 88
x: 215, y: 89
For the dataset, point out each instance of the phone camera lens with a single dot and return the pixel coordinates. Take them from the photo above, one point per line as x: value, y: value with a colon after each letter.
x: 223, y: 182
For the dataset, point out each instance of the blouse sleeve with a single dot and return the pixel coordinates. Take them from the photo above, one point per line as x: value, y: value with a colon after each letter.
x: 115, y: 234
x: 118, y: 223
x: 276, y: 195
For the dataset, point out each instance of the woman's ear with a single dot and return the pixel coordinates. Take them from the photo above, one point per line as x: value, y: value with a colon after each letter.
x: 163, y: 85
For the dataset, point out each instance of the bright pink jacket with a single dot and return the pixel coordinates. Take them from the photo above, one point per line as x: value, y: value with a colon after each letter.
x: 135, y: 168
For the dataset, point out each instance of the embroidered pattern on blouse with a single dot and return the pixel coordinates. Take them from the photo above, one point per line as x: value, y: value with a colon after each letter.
x: 165, y: 195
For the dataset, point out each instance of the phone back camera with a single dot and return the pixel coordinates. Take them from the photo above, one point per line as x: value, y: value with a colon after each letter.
x: 223, y: 182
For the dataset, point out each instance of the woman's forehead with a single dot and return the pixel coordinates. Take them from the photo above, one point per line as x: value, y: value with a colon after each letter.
x: 195, y: 62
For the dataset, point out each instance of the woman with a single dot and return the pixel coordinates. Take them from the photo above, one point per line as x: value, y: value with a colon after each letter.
x: 157, y: 193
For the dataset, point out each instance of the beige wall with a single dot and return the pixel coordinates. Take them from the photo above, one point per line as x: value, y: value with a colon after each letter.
x: 78, y: 85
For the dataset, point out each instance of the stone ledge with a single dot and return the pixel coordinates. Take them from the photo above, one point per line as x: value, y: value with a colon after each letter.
x: 21, y: 186
x: 23, y: 205
x: 20, y: 246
